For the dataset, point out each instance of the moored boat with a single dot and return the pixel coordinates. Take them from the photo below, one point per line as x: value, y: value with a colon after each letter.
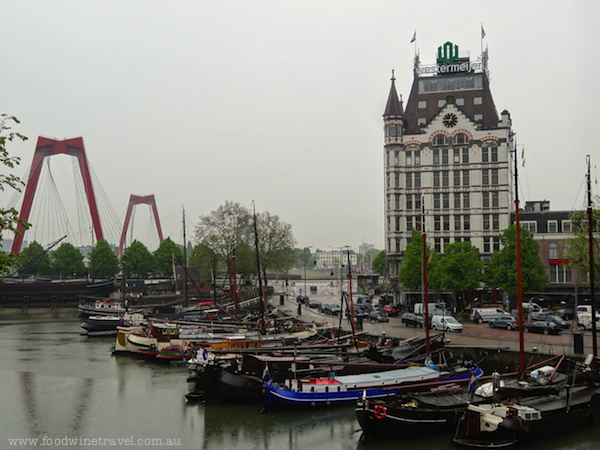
x: 349, y: 388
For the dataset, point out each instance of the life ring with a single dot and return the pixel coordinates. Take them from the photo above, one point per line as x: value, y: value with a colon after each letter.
x: 379, y: 412
x: 130, y: 321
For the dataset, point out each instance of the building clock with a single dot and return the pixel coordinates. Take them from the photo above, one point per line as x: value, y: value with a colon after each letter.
x: 450, y: 120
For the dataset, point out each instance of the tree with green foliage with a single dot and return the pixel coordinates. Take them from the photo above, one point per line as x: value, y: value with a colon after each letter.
x: 379, y: 263
x: 163, y: 257
x: 67, y: 261
x: 501, y: 272
x: 223, y: 229
x: 276, y: 243
x: 459, y: 269
x: 577, y: 248
x: 139, y: 262
x: 409, y: 274
x: 35, y: 260
x: 9, y: 217
x: 104, y: 263
x: 204, y: 258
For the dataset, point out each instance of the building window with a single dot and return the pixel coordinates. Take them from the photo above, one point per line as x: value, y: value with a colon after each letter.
x: 478, y: 101
x: 446, y: 200
x: 417, y: 201
x: 438, y: 245
x: 529, y: 226
x: 552, y: 226
x: 441, y: 103
x: 478, y: 117
x: 409, y: 204
x: 444, y: 156
x: 495, y: 221
x: 397, y: 180
x: 436, y: 179
x: 560, y: 273
x: 409, y: 223
x: 494, y: 177
x: 486, y: 245
x: 566, y: 226
x: 397, y: 223
x: 485, y: 177
x: 437, y: 223
x: 457, y: 178
x: 457, y: 222
x: 494, y: 151
x: 409, y: 181
x: 465, y: 155
x: 436, y: 201
x: 496, y: 240
x: 486, y: 199
x: 422, y: 104
x: 396, y: 158
x: 466, y: 200
x: 457, y: 200
x: 495, y: 200
x: 465, y: 177
x: 486, y: 222
x: 445, y: 178
x: 440, y: 139
x: 461, y: 139
x: 397, y: 202
x: 466, y: 222
x: 446, y: 223
x: 460, y: 102
x: 436, y: 157
x: 417, y: 179
x: 456, y: 158
x: 419, y: 223
x: 409, y: 158
x: 553, y: 250
x: 417, y: 157
x: 421, y: 121
x: 389, y: 205
x: 392, y: 130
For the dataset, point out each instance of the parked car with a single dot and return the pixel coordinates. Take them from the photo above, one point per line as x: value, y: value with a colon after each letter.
x: 302, y: 299
x: 312, y: 303
x: 543, y: 327
x: 378, y: 316
x: 390, y: 310
x: 564, y: 324
x: 566, y: 313
x: 541, y: 312
x: 481, y: 315
x: 504, y: 321
x: 333, y: 309
x: 413, y: 320
x: 445, y: 323
x: 359, y: 311
x: 323, y: 307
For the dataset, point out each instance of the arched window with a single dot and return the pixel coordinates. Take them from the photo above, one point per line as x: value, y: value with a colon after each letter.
x: 461, y: 139
x: 440, y: 139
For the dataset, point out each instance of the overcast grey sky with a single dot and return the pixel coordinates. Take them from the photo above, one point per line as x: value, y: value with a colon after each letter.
x: 281, y: 102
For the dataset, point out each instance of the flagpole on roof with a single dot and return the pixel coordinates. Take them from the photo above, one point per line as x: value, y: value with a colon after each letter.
x: 482, y: 36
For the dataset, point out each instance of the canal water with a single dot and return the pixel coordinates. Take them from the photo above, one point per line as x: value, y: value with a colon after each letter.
x: 62, y: 390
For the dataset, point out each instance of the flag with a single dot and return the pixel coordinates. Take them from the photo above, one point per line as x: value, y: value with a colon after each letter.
x: 472, y: 383
x: 414, y: 38
x: 482, y: 32
x: 265, y: 373
x: 523, y: 156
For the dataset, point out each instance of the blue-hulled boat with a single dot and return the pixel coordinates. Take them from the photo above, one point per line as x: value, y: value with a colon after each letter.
x: 349, y: 388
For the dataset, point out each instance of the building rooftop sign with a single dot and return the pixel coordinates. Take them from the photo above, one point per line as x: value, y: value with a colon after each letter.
x: 449, y: 62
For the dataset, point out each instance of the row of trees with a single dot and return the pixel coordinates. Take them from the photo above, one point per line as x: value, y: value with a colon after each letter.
x: 68, y: 261
x: 459, y: 269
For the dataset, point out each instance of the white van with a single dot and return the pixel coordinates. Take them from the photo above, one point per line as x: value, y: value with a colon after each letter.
x: 445, y: 323
x: 481, y: 315
x: 433, y: 308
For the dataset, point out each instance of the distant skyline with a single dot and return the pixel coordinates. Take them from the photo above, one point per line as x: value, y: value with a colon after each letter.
x: 281, y: 103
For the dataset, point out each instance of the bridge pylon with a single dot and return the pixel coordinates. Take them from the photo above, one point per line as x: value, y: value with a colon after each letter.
x: 137, y: 200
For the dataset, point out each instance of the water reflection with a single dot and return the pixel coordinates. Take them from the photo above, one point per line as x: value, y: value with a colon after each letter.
x: 57, y: 383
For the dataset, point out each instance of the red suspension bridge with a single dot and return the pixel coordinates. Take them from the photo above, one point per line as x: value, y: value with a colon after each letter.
x: 86, y: 182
